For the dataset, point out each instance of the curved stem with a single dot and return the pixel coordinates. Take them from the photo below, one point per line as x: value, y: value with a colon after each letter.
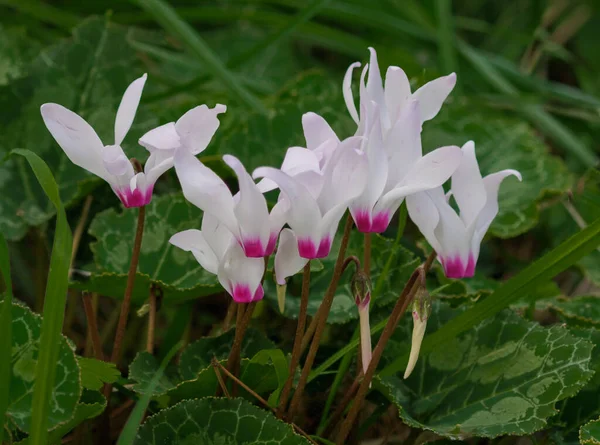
x: 321, y: 322
x: 367, y: 254
x: 296, y: 350
x: 135, y: 256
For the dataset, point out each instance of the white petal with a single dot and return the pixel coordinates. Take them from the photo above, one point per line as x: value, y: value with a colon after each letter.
x: 432, y: 95
x: 490, y: 210
x: 365, y: 337
x: 128, y: 108
x: 417, y: 338
x: 316, y: 130
x: 158, y: 162
x: 397, y: 91
x: 425, y: 215
x: 347, y: 91
x: 297, y: 160
x: 467, y: 186
x: 403, y: 143
x: 251, y: 211
x: 346, y: 175
x: 197, y: 127
x: 205, y: 189
x: 116, y: 162
x: 195, y: 242
x: 217, y: 235
x: 429, y: 172
x: 240, y: 275
x: 375, y: 85
x: 287, y: 260
x: 164, y: 137
x: 304, y: 215
x: 76, y: 137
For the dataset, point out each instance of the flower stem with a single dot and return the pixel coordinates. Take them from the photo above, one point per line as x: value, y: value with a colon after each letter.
x: 92, y: 323
x: 321, y: 318
x: 135, y: 256
x: 339, y: 411
x: 296, y: 350
x: 416, y: 280
x: 152, y: 318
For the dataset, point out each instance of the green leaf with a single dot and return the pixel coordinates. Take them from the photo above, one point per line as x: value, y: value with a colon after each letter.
x: 87, y: 74
x: 544, y: 175
x: 198, y: 355
x: 5, y: 333
x: 16, y: 53
x: 504, y: 376
x: 221, y: 420
x: 44, y: 399
x: 95, y: 373
x: 541, y: 271
x: 589, y: 434
x: 25, y: 359
x: 142, y: 370
x: 176, y: 272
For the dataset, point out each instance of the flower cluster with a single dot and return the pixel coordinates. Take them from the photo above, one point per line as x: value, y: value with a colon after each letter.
x: 369, y: 173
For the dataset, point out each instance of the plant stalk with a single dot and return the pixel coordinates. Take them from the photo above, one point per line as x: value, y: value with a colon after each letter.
x: 135, y: 256
x: 297, y: 348
x: 416, y: 280
x: 321, y: 322
x: 90, y: 315
x: 152, y: 319
x: 367, y: 254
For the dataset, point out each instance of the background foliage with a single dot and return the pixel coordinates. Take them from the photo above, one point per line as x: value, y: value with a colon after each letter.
x: 527, y: 94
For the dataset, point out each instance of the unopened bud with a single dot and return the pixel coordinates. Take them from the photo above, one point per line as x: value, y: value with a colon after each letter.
x: 421, y: 309
x: 361, y: 289
x: 281, y: 289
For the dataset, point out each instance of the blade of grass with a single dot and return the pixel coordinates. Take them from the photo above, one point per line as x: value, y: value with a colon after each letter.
x: 446, y: 38
x: 54, y: 302
x: 542, y: 270
x: 129, y: 432
x: 167, y: 17
x: 5, y: 334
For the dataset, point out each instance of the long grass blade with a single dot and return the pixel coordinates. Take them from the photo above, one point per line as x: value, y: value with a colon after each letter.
x: 54, y: 302
x: 168, y: 18
x: 5, y: 334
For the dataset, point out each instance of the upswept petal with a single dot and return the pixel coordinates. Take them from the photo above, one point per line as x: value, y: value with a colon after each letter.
x: 425, y: 215
x: 288, y: 261
x: 429, y: 172
x: 195, y: 242
x: 432, y: 95
x: 403, y: 143
x: 304, y: 214
x: 467, y: 186
x: 217, y: 235
x: 158, y: 163
x: 205, y: 189
x: 128, y: 108
x: 76, y: 137
x: 116, y: 162
x: 297, y: 160
x: 316, y: 130
x: 251, y: 211
x: 347, y: 92
x: 397, y: 91
x: 197, y: 127
x: 241, y: 276
x: 345, y: 177
x: 490, y: 210
x: 164, y: 138
x: 375, y: 87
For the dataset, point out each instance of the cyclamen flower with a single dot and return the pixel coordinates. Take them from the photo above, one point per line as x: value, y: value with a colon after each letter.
x: 391, y: 119
x: 316, y: 202
x: 457, y: 238
x: 245, y: 215
x: 84, y: 148
x: 219, y: 253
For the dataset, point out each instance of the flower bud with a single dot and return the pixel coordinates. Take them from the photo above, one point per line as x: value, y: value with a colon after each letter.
x: 421, y: 309
x: 361, y: 289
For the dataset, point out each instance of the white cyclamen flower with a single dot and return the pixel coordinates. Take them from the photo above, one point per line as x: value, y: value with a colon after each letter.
x: 219, y: 253
x: 457, y: 237
x: 246, y: 214
x: 316, y: 202
x: 84, y: 148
